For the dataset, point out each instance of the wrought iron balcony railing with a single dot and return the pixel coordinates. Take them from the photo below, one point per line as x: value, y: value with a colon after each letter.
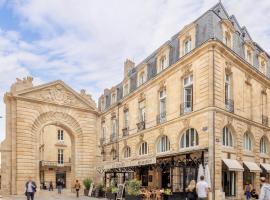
x: 264, y: 120
x: 44, y: 163
x: 141, y: 125
x: 125, y: 131
x: 186, y: 107
x: 161, y: 118
x: 229, y: 105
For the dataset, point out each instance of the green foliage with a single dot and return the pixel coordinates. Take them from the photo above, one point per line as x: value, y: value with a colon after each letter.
x: 87, y: 183
x: 133, y: 187
x: 167, y: 191
x: 100, y: 187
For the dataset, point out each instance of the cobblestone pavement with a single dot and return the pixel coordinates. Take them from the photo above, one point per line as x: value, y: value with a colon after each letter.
x: 46, y: 195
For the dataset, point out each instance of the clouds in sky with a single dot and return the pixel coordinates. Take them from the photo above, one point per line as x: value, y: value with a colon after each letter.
x: 85, y: 42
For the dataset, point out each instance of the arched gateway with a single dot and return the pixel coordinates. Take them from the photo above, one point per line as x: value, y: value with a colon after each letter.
x: 29, y: 110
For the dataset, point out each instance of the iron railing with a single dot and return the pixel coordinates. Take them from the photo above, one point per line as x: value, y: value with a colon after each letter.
x: 229, y: 105
x: 125, y: 131
x: 44, y: 163
x: 161, y: 118
x: 264, y: 120
x: 186, y: 107
x: 141, y: 126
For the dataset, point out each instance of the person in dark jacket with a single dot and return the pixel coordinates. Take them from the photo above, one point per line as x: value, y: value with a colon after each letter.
x: 51, y: 186
x: 59, y: 185
x: 191, y: 190
x: 30, y: 189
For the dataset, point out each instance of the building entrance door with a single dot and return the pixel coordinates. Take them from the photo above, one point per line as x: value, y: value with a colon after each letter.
x: 62, y: 177
x: 166, y: 178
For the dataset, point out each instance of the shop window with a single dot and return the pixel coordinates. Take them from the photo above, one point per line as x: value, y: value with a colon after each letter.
x: 143, y: 149
x: 60, y: 156
x: 227, y: 137
x: 189, y: 139
x: 127, y: 152
x: 229, y: 183
x: 163, y: 144
x: 263, y: 145
x: 188, y: 94
x: 247, y: 144
x: 60, y: 135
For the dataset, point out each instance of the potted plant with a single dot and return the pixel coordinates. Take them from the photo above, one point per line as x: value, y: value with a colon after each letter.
x: 167, y: 193
x: 99, y: 191
x: 111, y: 192
x: 133, y: 190
x: 87, y: 184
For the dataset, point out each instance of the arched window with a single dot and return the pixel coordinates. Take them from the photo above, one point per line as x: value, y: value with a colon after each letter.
x: 127, y: 152
x: 247, y: 142
x: 227, y: 137
x: 113, y: 154
x: 263, y: 145
x: 163, y: 144
x: 143, y: 149
x: 189, y: 138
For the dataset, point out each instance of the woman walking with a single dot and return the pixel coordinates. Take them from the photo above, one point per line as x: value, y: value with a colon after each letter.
x: 248, y: 189
x: 191, y: 190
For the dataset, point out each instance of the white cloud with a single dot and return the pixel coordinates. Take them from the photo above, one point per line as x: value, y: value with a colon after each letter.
x: 85, y: 43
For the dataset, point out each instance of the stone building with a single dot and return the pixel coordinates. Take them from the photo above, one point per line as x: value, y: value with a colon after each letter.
x: 201, y: 99
x: 36, y: 117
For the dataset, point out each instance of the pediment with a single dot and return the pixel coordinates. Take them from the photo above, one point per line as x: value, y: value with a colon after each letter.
x: 59, y: 93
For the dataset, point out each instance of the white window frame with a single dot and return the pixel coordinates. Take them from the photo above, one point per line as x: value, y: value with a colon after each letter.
x: 163, y: 63
x: 114, y: 127
x: 127, y: 152
x: 187, y: 46
x: 126, y: 89
x: 263, y: 145
x: 162, y: 104
x: 228, y: 85
x: 163, y: 144
x: 191, y: 143
x: 143, y: 150
x: 126, y: 119
x: 113, y: 98
x: 60, y: 135
x: 141, y: 78
x: 60, y: 156
x: 188, y: 85
x: 142, y: 111
x: 247, y: 143
x: 227, y: 139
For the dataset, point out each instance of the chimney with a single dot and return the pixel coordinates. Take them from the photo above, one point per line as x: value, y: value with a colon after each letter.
x: 128, y: 65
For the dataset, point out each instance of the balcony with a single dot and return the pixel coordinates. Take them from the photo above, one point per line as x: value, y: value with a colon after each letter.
x: 264, y: 120
x: 54, y: 164
x: 113, y: 137
x: 161, y: 118
x: 125, y: 131
x: 141, y: 126
x: 186, y: 107
x: 229, y: 105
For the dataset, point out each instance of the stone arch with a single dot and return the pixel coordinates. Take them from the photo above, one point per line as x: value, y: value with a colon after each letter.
x: 264, y: 136
x: 233, y: 133
x: 158, y: 139
x: 182, y: 132
x: 252, y: 138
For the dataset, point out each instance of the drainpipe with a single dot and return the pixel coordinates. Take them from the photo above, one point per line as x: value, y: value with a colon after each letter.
x: 213, y: 123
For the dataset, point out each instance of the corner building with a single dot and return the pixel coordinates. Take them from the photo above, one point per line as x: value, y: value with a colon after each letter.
x: 201, y: 98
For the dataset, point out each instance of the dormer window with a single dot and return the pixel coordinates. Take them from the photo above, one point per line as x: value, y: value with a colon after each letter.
x: 249, y: 49
x: 162, y: 63
x: 113, y: 98
x: 228, y: 39
x: 249, y: 56
x: 126, y: 89
x: 187, y: 39
x: 227, y: 31
x: 262, y: 58
x: 102, y: 104
x: 141, y: 78
x: 187, y: 46
x: 163, y: 58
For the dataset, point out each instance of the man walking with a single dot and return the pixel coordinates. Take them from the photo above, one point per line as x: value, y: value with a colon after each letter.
x: 30, y: 189
x: 265, y: 189
x: 77, y: 188
x: 59, y: 185
x: 202, y: 189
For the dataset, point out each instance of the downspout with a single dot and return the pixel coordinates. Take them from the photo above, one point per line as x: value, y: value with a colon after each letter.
x: 213, y: 123
x: 118, y: 154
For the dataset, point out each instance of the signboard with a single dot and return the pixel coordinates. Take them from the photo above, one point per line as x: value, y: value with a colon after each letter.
x: 131, y: 163
x: 90, y: 190
x: 120, y: 191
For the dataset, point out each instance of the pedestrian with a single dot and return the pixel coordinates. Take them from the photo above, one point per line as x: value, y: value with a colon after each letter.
x: 254, y: 194
x: 51, y: 186
x: 265, y: 190
x: 77, y: 187
x: 59, y: 185
x: 247, y: 190
x: 202, y: 189
x: 30, y: 189
x: 191, y: 190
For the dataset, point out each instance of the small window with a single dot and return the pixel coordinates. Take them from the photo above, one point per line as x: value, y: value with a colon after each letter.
x: 163, y: 144
x: 103, y: 130
x: 247, y: 142
x: 228, y: 40
x: 141, y: 78
x: 188, y: 94
x: 60, y: 135
x: 249, y: 56
x: 187, y: 46
x: 263, y: 145
x: 189, y: 139
x: 113, y: 98
x: 143, y: 149
x: 227, y: 137
x: 162, y: 63
x: 127, y: 152
x: 126, y: 89
x: 162, y: 105
x: 126, y: 119
x: 60, y: 156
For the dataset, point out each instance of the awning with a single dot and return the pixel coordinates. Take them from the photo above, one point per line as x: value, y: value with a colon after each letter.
x: 252, y: 166
x: 233, y: 165
x: 265, y: 166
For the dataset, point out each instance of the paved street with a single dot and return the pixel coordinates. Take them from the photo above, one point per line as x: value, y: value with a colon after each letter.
x: 45, y: 195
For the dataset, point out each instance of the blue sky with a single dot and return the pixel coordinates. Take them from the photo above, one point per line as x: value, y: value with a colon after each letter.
x: 85, y: 42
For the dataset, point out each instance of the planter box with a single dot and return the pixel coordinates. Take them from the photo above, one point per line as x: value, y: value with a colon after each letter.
x: 86, y: 192
x: 110, y: 195
x: 129, y: 197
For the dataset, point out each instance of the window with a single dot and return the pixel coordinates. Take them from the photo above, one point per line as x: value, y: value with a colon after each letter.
x: 103, y: 130
x: 126, y: 116
x: 60, y: 156
x: 127, y: 152
x: 249, y: 56
x: 163, y: 144
x: 126, y: 89
x: 162, y: 63
x: 102, y: 104
x: 113, y: 154
x: 187, y: 46
x: 263, y: 145
x: 188, y: 93
x: 228, y: 40
x: 189, y: 139
x: 227, y: 137
x: 162, y: 105
x: 141, y: 78
x: 229, y: 183
x: 60, y: 135
x: 113, y: 98
x: 247, y: 142
x: 143, y: 149
x: 113, y: 128
x: 142, y: 111
x: 228, y: 93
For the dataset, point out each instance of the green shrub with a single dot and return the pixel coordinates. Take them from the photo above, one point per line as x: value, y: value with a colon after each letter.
x: 133, y: 187
x: 87, y: 183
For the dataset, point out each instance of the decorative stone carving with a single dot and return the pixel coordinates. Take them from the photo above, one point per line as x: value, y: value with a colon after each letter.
x: 113, y: 114
x: 230, y: 120
x: 86, y: 96
x: 141, y: 137
x: 162, y: 86
x: 22, y: 84
x: 187, y: 69
x: 228, y: 68
x: 186, y: 122
x: 141, y: 97
x: 125, y: 107
x: 248, y: 79
x: 125, y: 142
x: 161, y: 131
x: 263, y: 90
